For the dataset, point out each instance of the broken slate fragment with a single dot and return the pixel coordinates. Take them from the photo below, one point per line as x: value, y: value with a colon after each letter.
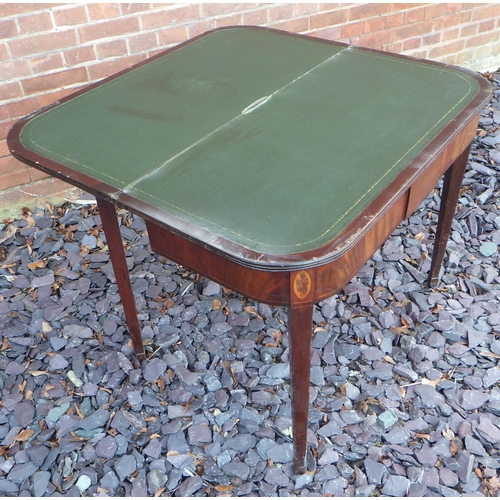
x: 80, y: 331
x: 40, y: 281
x: 125, y: 466
x: 281, y: 453
x: 40, y: 482
x: 106, y: 448
x: 199, y: 435
x: 396, y: 486
x: 375, y: 471
x: 97, y: 419
x: 154, y: 369
x: 488, y: 430
x: 472, y: 399
x: 237, y: 469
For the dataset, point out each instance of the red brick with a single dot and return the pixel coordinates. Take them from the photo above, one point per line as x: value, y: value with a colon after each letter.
x: 79, y: 55
x: 396, y: 47
x: 10, y: 90
x: 255, y: 18
x: 107, y: 68
x: 111, y: 49
x: 449, y: 35
x: 412, y: 44
x: 48, y: 62
x: 47, y: 42
x: 293, y: 25
x: 456, y: 19
x: 133, y: 8
x: 468, y: 30
x: 22, y: 107
x: 329, y: 6
x: 3, y: 113
x: 452, y: 8
x: 4, y: 150
x: 486, y: 12
x: 14, y: 179
x: 5, y: 126
x: 353, y: 29
x: 412, y: 30
x: 485, y: 51
x: 394, y: 20
x: 216, y: 9
x: 414, y: 15
x: 170, y: 36
x: 53, y: 81
x: 432, y: 11
x: 486, y: 25
x: 301, y: 9
x: 49, y: 97
x: 483, y: 39
x: 9, y: 165
x: 373, y: 40
x: 398, y: 7
x: 431, y: 39
x: 170, y: 17
x: 100, y: 11
x: 16, y: 68
x: 373, y: 25
x: 4, y: 55
x: 36, y: 175
x: 446, y: 49
x: 142, y: 42
x: 465, y: 56
x: 327, y: 19
x: 8, y: 29
x: 111, y: 28
x: 76, y: 14
x: 366, y: 11
x: 200, y: 27
x: 35, y: 23
x: 333, y: 33
x: 280, y: 12
x: 235, y: 20
x: 16, y: 9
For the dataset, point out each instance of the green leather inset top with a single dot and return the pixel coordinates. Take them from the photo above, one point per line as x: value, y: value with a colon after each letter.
x: 271, y: 141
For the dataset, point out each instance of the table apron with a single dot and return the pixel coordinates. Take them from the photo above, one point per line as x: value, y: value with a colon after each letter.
x: 431, y: 174
x: 271, y: 287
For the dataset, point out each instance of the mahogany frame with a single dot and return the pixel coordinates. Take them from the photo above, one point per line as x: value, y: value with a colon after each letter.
x: 296, y: 281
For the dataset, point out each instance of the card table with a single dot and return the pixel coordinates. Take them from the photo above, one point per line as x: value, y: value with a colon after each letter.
x: 272, y: 163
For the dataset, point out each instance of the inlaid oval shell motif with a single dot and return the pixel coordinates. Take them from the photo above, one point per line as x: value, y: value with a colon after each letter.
x: 302, y: 285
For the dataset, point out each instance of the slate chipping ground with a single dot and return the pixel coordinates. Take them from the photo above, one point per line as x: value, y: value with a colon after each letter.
x: 404, y: 385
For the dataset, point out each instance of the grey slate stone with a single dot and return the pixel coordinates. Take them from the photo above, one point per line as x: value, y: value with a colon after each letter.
x: 40, y: 482
x: 106, y: 448
x: 237, y: 469
x: 281, y: 453
x: 396, y: 486
x: 125, y: 466
x: 472, y: 399
x: 474, y: 446
x: 276, y: 477
x: 375, y: 471
x: 189, y: 486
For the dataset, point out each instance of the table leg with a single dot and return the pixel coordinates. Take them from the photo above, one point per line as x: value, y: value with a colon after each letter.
x: 451, y: 189
x: 111, y: 228
x: 300, y: 332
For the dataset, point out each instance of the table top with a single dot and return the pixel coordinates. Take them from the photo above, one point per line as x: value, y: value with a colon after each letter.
x: 257, y: 143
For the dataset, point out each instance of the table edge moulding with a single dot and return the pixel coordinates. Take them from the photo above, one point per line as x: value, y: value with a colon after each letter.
x: 297, y: 279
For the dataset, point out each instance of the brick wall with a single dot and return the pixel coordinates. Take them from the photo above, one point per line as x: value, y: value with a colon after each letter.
x: 50, y: 50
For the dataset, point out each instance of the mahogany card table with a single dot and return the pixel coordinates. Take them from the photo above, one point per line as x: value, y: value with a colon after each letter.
x: 272, y: 163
